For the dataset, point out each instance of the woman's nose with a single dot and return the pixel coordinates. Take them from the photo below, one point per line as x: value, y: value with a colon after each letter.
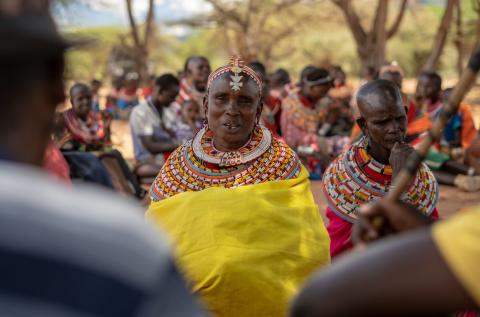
x: 395, y: 127
x: 232, y: 107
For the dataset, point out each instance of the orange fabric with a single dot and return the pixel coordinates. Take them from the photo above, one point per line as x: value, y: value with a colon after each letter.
x: 419, y: 125
x: 468, y: 127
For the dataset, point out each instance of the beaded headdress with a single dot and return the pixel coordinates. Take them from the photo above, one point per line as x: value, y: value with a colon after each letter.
x: 235, y: 67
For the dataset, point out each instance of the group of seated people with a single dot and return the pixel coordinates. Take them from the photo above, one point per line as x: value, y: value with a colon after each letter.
x: 232, y: 203
x: 237, y: 204
x: 317, y: 117
x: 210, y: 134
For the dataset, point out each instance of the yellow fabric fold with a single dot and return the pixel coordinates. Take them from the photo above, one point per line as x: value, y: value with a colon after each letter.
x: 246, y: 250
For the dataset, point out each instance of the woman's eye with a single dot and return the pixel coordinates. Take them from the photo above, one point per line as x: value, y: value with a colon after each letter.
x: 244, y: 101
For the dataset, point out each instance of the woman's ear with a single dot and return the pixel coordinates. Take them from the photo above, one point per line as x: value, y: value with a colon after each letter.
x: 363, y: 125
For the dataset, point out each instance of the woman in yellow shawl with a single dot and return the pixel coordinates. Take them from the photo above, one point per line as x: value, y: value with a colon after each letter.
x: 237, y: 205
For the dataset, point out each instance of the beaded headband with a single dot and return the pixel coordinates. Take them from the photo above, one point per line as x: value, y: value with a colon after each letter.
x: 236, y: 66
x: 320, y: 81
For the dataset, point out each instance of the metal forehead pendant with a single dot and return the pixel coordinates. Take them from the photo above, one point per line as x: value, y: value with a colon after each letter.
x: 236, y: 82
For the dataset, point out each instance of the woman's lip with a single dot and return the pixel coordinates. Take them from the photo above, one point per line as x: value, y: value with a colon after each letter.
x: 231, y: 126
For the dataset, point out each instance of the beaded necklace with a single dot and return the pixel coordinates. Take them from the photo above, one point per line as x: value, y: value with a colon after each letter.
x: 205, y: 150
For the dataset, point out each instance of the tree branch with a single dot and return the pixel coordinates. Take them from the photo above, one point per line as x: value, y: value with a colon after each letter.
x: 398, y: 20
x: 149, y: 23
x: 133, y: 24
x: 441, y: 36
x: 229, y: 14
x: 353, y: 21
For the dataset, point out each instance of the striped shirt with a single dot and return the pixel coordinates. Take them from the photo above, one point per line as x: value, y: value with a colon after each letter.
x: 81, y: 252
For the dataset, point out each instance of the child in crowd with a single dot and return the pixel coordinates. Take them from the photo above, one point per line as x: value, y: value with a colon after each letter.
x: 95, y: 86
x: 189, y: 124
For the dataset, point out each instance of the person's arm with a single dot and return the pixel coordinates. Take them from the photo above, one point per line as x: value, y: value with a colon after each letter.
x: 404, y: 276
x: 155, y: 146
x: 144, y: 128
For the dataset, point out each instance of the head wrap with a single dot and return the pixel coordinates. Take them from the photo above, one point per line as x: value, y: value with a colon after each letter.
x: 235, y: 67
x: 322, y: 76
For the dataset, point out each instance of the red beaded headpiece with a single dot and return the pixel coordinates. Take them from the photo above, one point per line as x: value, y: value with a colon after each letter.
x: 236, y: 66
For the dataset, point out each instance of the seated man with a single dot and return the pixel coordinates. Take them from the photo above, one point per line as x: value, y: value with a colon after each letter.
x: 365, y: 171
x: 447, y: 157
x: 151, y: 123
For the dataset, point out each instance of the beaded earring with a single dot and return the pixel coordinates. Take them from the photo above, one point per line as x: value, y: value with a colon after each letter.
x: 205, y: 121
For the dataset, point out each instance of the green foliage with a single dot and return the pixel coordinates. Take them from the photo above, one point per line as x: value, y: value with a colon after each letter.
x: 323, y: 38
x: 170, y: 53
x: 83, y: 64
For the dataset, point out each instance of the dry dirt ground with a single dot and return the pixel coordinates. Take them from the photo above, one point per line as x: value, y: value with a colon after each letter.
x: 451, y: 200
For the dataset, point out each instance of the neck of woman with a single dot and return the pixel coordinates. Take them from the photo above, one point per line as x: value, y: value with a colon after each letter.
x: 229, y: 146
x: 379, y: 153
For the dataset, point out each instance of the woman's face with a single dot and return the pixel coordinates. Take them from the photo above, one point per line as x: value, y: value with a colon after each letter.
x: 190, y: 111
x: 81, y: 100
x: 231, y: 114
x: 316, y: 92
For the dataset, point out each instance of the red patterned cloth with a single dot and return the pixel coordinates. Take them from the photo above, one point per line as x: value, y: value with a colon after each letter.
x: 188, y: 92
x: 90, y: 133
x: 300, y: 120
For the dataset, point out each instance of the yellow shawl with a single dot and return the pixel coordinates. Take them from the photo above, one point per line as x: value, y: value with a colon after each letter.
x: 246, y: 250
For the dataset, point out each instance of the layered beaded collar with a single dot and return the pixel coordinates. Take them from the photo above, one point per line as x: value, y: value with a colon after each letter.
x: 205, y: 150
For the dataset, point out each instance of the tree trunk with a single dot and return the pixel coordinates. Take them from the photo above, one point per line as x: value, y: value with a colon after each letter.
x: 476, y: 8
x: 371, y: 46
x: 380, y: 34
x: 441, y: 37
x: 141, y: 48
x: 459, y: 39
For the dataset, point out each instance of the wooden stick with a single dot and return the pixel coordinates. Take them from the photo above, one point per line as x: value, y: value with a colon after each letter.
x: 404, y: 178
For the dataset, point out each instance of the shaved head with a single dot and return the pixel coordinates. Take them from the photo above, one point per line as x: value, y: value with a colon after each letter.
x: 378, y: 94
x: 383, y: 117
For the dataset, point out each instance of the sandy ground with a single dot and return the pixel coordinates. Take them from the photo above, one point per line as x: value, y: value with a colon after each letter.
x: 451, y: 199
